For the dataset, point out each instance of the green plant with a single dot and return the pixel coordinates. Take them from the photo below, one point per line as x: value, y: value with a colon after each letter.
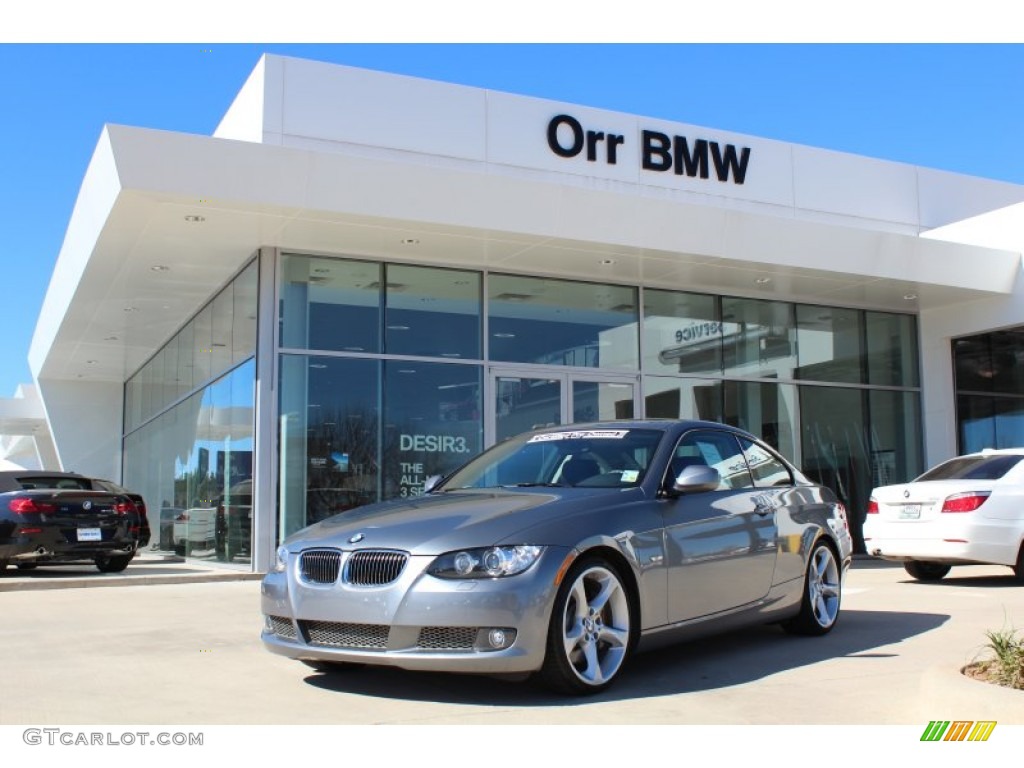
x: 1007, y: 665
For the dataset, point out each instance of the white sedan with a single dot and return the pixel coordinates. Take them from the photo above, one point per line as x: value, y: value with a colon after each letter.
x: 968, y: 510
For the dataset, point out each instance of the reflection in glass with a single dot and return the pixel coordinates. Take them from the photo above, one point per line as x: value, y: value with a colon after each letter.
x: 328, y: 440
x: 892, y: 357
x: 432, y: 423
x: 894, y: 436
x: 522, y: 404
x: 186, y: 462
x: 601, y: 400
x: 759, y: 338
x: 432, y: 312
x: 829, y: 344
x: 835, y: 449
x: 222, y: 334
x: 767, y: 410
x: 668, y: 398
x: 682, y: 332
x: 561, y: 322
x: 990, y: 363
x: 332, y: 304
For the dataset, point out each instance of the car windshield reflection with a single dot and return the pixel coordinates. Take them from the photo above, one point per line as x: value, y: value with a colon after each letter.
x: 608, y: 458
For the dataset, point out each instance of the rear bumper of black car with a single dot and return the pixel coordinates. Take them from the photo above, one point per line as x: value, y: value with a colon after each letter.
x: 52, y: 545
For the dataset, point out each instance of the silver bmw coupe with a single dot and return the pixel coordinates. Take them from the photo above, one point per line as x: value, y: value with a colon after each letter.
x: 562, y: 551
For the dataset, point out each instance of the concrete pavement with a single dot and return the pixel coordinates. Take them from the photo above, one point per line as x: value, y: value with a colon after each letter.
x: 189, y: 647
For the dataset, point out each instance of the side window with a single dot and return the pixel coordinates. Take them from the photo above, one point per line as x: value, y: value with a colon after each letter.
x: 766, y: 467
x: 715, y: 449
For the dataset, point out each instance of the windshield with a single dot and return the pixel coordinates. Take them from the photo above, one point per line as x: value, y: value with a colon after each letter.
x: 598, y: 458
x: 972, y: 468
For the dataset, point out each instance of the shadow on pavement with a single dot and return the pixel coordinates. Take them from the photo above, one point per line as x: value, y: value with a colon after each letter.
x: 715, y: 662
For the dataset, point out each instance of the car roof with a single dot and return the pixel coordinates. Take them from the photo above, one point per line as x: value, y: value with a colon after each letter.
x: 992, y: 452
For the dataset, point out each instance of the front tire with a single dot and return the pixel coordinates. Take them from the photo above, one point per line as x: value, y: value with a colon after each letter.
x: 107, y: 564
x: 590, y: 632
x: 819, y: 606
x: 922, y: 570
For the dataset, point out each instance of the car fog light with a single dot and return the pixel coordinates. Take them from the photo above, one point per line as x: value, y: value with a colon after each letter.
x: 500, y: 638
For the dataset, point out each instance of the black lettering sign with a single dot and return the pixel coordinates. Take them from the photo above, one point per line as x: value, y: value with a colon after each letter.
x: 658, y: 151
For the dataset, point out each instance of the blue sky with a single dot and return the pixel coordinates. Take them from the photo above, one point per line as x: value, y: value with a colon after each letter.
x: 956, y: 107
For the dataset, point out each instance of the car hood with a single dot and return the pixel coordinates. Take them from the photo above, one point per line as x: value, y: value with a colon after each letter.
x: 437, y: 523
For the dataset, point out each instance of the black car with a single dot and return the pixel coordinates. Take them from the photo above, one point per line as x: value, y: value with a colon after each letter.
x: 26, y: 479
x: 45, y: 525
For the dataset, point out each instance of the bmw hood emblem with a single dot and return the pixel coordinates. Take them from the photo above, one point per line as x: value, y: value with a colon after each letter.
x: 906, y: 494
x: 86, y: 505
x: 356, y: 539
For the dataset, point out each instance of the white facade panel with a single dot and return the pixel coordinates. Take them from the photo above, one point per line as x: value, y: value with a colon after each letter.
x: 85, y: 419
x: 352, y: 106
x: 856, y: 187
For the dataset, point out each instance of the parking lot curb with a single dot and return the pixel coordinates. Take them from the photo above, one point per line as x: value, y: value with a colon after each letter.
x: 181, y: 572
x: 20, y: 585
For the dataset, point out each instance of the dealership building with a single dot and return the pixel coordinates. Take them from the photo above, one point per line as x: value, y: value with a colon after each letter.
x: 361, y: 279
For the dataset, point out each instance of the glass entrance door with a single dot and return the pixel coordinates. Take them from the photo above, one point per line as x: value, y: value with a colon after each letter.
x: 523, y: 400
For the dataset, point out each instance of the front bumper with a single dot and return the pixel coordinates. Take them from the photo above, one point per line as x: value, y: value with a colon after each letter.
x: 418, y: 622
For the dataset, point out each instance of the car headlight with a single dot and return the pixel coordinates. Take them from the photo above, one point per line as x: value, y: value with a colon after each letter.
x: 485, y: 562
x: 281, y: 561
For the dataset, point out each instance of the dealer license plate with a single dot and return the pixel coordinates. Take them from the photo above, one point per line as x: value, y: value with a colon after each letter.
x: 90, y: 534
x: 910, y: 512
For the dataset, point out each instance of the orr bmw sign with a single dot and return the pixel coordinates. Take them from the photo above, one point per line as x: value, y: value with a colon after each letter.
x: 659, y: 152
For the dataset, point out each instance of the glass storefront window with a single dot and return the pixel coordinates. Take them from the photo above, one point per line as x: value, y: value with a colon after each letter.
x: 892, y: 356
x: 432, y: 422
x: 829, y: 344
x: 759, y: 338
x: 246, y: 302
x: 330, y: 304
x: 990, y: 390
x: 222, y: 316
x: 561, y: 322
x: 432, y: 312
x: 894, y: 436
x: 670, y: 398
x: 328, y: 441
x: 834, y: 424
x: 601, y: 400
x: 767, y: 410
x: 682, y: 333
x: 221, y: 335
x: 190, y: 464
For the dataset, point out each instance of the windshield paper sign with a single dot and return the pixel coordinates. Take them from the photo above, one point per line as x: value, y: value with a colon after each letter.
x: 590, y: 434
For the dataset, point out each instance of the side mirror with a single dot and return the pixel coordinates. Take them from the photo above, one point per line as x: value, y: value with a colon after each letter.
x: 697, y: 479
x: 432, y: 482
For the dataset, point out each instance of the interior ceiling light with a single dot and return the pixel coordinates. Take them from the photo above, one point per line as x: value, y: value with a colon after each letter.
x: 763, y: 280
x: 909, y: 296
x: 409, y: 241
x: 160, y: 268
x: 110, y: 338
x: 194, y: 219
x: 131, y: 309
x: 607, y: 262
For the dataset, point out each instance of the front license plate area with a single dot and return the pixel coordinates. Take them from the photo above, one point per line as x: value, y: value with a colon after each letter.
x: 90, y: 534
x: 910, y: 512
